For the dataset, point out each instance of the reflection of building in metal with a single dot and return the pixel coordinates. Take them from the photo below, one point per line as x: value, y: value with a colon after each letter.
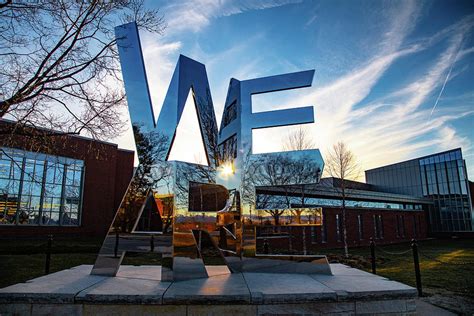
x: 270, y: 169
x: 62, y: 185
x: 207, y: 197
x: 440, y: 177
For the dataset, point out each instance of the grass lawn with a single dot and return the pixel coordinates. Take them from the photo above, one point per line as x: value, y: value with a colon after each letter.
x: 20, y: 268
x: 24, y: 260
x: 442, y: 264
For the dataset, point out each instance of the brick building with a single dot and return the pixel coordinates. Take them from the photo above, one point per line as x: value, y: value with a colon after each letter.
x: 73, y: 186
x: 385, y: 217
x: 67, y: 185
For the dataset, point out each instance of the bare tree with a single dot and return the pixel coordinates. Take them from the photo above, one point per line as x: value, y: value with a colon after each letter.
x: 341, y: 163
x: 278, y: 170
x: 59, y: 64
x: 299, y: 139
x: 150, y: 147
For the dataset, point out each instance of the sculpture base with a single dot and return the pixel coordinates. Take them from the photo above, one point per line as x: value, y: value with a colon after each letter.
x: 138, y: 290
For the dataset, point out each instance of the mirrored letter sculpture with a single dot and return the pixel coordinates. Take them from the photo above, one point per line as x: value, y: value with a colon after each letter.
x: 243, y: 210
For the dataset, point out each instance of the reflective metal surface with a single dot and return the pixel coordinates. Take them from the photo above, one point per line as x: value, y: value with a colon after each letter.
x: 188, y: 75
x: 251, y: 171
x: 153, y: 216
x: 176, y: 209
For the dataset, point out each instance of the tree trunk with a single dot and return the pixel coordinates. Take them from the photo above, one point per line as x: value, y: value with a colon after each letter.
x: 344, y: 230
x: 298, y: 217
x: 276, y: 216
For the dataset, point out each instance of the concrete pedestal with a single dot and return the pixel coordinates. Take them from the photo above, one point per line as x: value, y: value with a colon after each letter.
x: 138, y: 290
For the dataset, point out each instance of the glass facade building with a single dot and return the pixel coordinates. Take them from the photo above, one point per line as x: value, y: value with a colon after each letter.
x: 441, y: 177
x: 39, y: 189
x: 280, y: 202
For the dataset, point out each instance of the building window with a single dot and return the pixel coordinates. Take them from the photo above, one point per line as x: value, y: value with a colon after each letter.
x: 415, y: 227
x: 374, y: 217
x: 39, y: 189
x: 419, y: 225
x: 378, y: 226
x: 230, y: 114
x: 283, y: 201
x: 314, y: 235
x: 324, y: 232
x: 400, y: 228
x: 228, y: 149
x: 338, y: 227
x: 360, y: 226
x: 398, y: 232
x: 381, y: 228
x: 402, y: 225
x: 444, y: 186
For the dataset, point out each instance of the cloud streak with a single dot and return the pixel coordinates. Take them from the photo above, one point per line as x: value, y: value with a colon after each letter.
x: 398, y: 125
x: 194, y: 15
x: 445, y: 81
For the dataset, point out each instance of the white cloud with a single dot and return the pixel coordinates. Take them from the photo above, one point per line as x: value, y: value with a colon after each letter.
x: 193, y: 15
x: 160, y: 60
x: 396, y: 126
x: 160, y: 57
x: 335, y: 101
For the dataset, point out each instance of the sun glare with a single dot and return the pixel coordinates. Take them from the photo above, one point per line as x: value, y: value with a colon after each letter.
x: 227, y: 169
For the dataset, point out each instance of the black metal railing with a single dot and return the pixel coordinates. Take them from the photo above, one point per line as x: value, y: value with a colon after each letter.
x: 416, y: 252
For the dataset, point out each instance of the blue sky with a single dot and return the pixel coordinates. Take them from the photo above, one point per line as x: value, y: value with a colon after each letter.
x: 394, y: 80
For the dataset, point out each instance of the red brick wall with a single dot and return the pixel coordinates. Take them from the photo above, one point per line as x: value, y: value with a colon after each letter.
x: 108, y: 171
x: 125, y: 172
x: 389, y: 220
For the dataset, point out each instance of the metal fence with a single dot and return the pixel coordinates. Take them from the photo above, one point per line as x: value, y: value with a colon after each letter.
x: 416, y: 251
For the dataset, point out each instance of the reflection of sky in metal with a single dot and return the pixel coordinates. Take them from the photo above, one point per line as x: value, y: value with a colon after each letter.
x: 188, y: 129
x: 189, y: 83
x: 248, y: 165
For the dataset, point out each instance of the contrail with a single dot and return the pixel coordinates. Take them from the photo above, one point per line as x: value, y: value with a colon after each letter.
x: 445, y: 81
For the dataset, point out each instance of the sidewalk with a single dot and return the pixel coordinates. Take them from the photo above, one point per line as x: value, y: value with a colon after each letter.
x: 423, y: 308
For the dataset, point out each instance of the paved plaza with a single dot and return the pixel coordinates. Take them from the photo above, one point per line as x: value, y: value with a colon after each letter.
x: 138, y: 290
